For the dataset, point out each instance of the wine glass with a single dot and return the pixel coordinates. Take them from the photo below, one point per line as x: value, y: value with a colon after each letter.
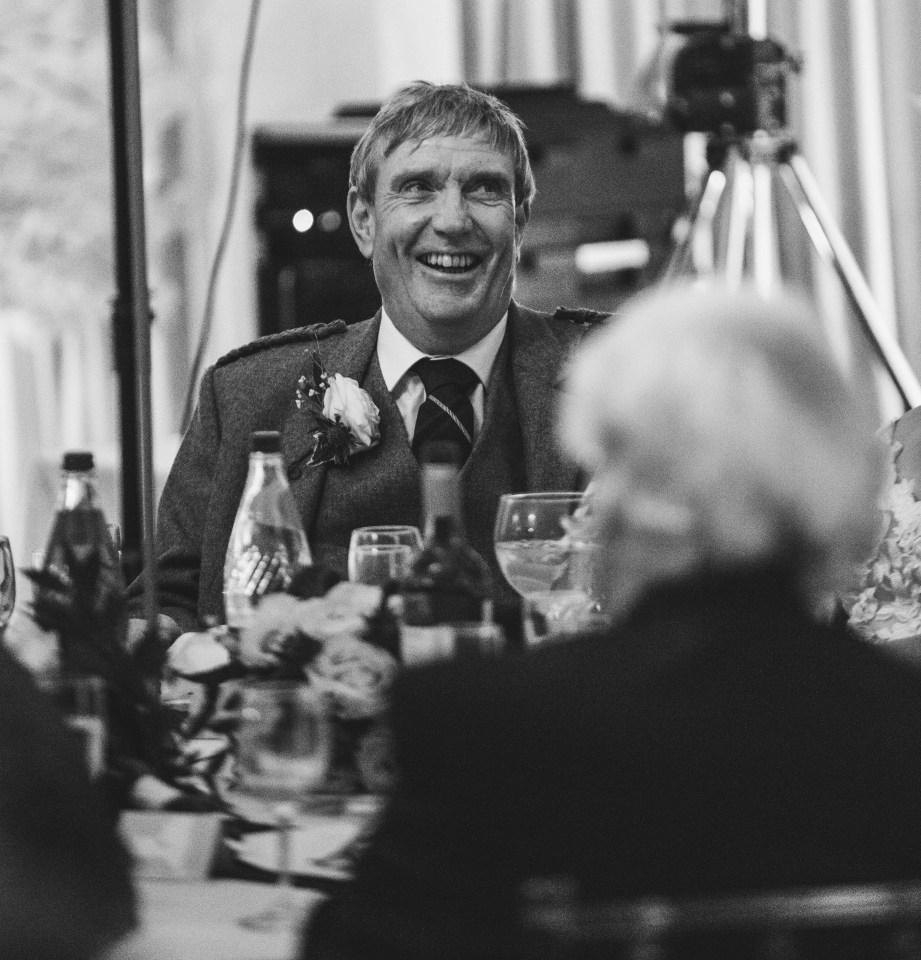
x: 7, y: 583
x: 546, y: 552
x: 382, y: 555
x: 284, y: 746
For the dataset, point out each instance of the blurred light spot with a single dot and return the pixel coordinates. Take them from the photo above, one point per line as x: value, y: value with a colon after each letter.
x: 302, y: 221
x: 611, y: 256
x: 329, y: 221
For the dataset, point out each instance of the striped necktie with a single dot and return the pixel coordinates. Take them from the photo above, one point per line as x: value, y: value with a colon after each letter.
x: 447, y: 413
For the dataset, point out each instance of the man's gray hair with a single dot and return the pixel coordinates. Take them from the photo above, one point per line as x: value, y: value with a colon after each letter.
x: 423, y: 110
x: 721, y: 419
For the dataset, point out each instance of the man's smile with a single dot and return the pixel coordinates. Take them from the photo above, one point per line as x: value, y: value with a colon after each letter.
x: 450, y: 262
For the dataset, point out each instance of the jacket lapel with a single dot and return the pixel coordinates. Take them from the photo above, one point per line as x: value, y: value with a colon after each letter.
x: 536, y: 374
x: 536, y: 364
x: 348, y: 354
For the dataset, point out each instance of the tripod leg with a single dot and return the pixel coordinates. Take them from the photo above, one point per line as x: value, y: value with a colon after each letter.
x: 703, y: 251
x: 740, y: 221
x: 765, y: 258
x: 831, y: 245
x: 696, y: 249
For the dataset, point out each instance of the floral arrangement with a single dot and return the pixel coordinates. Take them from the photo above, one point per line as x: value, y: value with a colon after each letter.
x: 344, y: 642
x: 76, y: 625
x: 344, y: 419
x: 886, y: 605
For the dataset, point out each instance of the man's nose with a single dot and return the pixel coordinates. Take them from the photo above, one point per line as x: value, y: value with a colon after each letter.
x: 451, y: 213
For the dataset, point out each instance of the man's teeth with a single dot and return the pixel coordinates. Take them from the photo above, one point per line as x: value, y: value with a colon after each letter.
x: 449, y: 261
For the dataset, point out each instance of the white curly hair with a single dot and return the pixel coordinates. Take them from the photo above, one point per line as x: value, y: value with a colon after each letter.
x: 719, y: 431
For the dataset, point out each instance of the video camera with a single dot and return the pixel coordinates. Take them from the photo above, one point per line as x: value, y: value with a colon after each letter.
x: 723, y: 80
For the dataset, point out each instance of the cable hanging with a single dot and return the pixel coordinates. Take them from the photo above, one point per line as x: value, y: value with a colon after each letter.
x: 239, y: 145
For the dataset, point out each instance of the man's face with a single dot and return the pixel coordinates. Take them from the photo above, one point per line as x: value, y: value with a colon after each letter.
x: 444, y: 234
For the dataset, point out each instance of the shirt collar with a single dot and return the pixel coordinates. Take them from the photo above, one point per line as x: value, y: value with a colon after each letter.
x: 396, y: 354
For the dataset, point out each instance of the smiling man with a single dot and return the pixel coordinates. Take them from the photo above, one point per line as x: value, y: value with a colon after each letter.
x: 443, y: 229
x: 439, y: 196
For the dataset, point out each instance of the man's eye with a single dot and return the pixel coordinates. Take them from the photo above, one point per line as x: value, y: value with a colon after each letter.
x: 415, y: 187
x: 489, y: 190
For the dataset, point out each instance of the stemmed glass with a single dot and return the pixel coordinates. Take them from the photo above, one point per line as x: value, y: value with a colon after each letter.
x: 284, y: 746
x: 381, y: 555
x: 7, y: 583
x: 546, y: 552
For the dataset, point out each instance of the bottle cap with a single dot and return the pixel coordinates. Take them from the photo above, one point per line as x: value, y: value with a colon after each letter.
x: 77, y: 461
x: 266, y: 441
x: 440, y: 451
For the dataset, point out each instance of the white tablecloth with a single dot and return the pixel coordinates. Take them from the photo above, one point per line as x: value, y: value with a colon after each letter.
x: 197, y: 920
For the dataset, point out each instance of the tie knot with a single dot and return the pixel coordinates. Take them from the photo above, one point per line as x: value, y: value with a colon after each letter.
x: 435, y: 374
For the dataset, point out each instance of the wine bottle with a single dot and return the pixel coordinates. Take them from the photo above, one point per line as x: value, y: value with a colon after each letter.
x: 267, y: 545
x: 80, y: 590
x: 449, y: 581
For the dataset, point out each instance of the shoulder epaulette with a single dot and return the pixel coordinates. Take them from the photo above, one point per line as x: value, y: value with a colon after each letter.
x: 580, y: 315
x: 315, y: 331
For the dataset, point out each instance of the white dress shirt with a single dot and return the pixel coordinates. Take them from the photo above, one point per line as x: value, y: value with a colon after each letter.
x: 396, y: 355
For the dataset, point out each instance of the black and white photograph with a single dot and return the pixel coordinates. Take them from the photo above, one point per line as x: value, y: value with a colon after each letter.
x: 460, y: 489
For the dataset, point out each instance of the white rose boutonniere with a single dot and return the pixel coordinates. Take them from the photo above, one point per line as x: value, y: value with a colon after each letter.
x: 346, y: 402
x: 344, y: 419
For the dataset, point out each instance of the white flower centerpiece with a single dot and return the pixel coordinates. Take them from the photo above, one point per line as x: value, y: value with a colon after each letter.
x: 343, y: 642
x: 886, y: 606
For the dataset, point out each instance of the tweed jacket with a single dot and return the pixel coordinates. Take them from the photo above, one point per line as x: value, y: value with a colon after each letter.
x: 253, y: 388
x: 719, y: 738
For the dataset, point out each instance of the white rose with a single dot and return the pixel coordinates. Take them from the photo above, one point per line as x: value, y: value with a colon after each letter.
x: 361, y: 598
x: 341, y: 613
x: 197, y: 653
x: 356, y: 674
x: 275, y: 618
x: 344, y: 400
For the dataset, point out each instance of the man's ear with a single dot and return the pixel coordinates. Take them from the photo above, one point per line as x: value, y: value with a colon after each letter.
x: 521, y: 220
x: 361, y: 222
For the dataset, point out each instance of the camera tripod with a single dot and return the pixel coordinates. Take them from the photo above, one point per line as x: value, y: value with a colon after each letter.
x: 741, y: 242
x: 728, y: 80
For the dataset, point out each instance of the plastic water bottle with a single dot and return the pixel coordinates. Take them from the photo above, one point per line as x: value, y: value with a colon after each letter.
x: 268, y: 544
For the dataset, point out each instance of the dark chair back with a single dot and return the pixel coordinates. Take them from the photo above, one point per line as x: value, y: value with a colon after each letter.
x: 871, y: 922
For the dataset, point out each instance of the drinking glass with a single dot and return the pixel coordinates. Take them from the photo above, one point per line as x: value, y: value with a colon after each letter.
x: 7, y: 583
x: 545, y: 547
x: 381, y: 555
x: 476, y: 639
x: 284, y: 745
x: 555, y: 614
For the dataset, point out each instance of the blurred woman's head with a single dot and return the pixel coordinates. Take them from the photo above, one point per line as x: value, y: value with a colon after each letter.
x: 720, y: 432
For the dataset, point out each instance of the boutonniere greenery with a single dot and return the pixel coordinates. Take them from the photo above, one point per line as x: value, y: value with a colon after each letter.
x: 343, y: 418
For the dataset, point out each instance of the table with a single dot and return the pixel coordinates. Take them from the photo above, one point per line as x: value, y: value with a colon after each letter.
x: 197, y: 920
x: 192, y: 891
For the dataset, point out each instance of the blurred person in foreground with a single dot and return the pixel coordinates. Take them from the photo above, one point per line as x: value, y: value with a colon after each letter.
x: 720, y: 734
x: 65, y: 883
x: 439, y: 196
